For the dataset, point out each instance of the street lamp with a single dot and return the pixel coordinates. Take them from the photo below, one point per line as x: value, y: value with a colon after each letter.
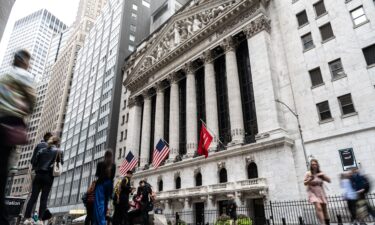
x: 299, y: 129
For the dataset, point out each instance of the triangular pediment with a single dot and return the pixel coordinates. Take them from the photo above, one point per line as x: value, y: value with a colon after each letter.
x: 183, y: 28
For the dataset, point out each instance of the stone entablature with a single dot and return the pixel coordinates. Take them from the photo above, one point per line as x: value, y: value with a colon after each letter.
x: 163, y: 48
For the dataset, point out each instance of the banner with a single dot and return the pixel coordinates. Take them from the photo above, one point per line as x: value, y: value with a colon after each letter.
x: 347, y: 159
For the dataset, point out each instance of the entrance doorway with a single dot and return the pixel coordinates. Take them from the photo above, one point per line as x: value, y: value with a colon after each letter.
x: 223, y: 207
x: 259, y: 214
x: 199, y: 213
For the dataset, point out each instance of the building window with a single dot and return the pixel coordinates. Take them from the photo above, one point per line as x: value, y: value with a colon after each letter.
x: 134, y: 16
x: 324, y: 111
x: 131, y: 37
x: 201, y: 103
x: 145, y: 3
x: 252, y: 171
x: 167, y: 99
x: 124, y: 107
x: 182, y: 104
x: 133, y: 28
x: 307, y: 41
x: 160, y: 185
x: 326, y: 32
x: 336, y: 69
x: 346, y: 104
x: 316, y: 77
x: 119, y: 153
x: 198, y: 180
x: 126, y: 134
x: 223, y: 178
x: 123, y: 120
x: 152, y: 138
x: 302, y: 18
x: 358, y: 16
x: 369, y: 53
x: 135, y: 7
x: 127, y: 117
x: 320, y: 8
x: 122, y: 135
x: 178, y: 183
x: 131, y: 48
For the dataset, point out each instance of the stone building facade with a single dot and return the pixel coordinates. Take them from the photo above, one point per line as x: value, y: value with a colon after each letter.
x: 247, y: 68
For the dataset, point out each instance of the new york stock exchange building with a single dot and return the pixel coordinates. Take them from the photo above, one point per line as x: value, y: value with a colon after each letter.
x: 247, y: 69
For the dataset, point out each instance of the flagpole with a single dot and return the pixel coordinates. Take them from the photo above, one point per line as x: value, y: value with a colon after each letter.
x: 212, y: 133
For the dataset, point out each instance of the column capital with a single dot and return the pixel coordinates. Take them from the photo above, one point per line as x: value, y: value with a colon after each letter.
x: 259, y: 24
x: 146, y: 94
x: 189, y: 68
x: 134, y: 101
x: 159, y: 86
x: 207, y: 56
x: 228, y: 44
x: 174, y: 77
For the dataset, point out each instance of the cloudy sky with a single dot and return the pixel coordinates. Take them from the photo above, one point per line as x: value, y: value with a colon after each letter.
x: 65, y: 10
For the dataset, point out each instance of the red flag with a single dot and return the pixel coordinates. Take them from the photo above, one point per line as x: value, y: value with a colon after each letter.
x: 204, y: 141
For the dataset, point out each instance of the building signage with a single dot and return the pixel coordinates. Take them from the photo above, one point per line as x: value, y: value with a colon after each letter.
x: 347, y: 159
x: 14, y: 205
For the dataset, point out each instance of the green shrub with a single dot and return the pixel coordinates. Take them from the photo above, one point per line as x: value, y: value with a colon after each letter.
x: 223, y: 220
x: 244, y: 220
x: 181, y: 222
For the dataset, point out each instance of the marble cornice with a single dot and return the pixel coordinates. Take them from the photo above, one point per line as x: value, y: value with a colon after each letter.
x: 217, y: 156
x: 139, y: 78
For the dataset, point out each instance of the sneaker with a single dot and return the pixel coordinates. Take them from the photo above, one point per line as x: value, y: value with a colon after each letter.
x: 28, y: 222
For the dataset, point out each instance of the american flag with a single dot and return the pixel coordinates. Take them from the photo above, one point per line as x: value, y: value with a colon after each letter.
x: 128, y: 164
x: 160, y: 152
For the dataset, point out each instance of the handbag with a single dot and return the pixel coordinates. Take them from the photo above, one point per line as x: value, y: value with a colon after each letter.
x: 14, y: 135
x: 57, y: 167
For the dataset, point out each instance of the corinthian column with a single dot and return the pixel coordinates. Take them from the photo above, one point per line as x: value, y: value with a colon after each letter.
x: 234, y: 93
x: 146, y: 130
x: 258, y: 40
x: 134, y: 131
x: 174, y: 119
x: 159, y: 113
x: 211, y: 97
x: 191, y: 112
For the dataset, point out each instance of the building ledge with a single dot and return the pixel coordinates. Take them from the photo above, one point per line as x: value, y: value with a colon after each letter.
x: 244, y: 186
x: 214, y: 156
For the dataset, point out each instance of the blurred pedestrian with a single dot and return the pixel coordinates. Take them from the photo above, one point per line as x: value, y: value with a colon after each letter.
x: 350, y: 195
x: 232, y: 210
x: 121, y: 200
x: 43, y: 180
x: 314, y: 180
x: 42, y: 145
x: 361, y: 185
x: 105, y: 173
x: 17, y: 99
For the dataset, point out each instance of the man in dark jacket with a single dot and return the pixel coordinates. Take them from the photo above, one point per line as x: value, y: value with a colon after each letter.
x: 121, y: 200
x: 146, y: 205
x: 42, y: 145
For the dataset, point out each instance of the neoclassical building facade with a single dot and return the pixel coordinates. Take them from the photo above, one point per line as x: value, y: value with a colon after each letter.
x: 229, y: 64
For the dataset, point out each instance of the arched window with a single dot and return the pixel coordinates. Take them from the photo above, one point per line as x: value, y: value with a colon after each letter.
x: 252, y: 171
x: 198, y: 179
x: 223, y: 178
x: 160, y: 185
x: 178, y: 183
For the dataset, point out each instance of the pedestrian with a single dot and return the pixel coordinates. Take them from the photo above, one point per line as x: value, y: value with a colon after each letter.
x: 350, y: 195
x: 361, y: 185
x: 44, y: 177
x: 314, y: 180
x: 232, y: 210
x: 105, y: 173
x: 88, y: 201
x: 17, y: 100
x: 146, y: 201
x: 42, y: 145
x: 121, y: 200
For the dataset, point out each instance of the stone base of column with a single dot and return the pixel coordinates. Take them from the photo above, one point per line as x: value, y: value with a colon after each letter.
x: 238, y: 137
x: 276, y: 133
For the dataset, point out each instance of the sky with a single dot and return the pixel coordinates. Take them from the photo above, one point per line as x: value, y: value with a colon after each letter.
x: 65, y: 10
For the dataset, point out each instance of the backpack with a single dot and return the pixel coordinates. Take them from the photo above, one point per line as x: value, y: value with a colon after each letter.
x: 89, y: 197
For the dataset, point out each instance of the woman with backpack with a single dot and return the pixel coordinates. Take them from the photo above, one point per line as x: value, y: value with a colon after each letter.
x: 105, y: 173
x: 43, y: 180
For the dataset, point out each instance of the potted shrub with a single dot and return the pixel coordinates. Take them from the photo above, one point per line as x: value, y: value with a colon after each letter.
x: 244, y: 220
x: 223, y: 220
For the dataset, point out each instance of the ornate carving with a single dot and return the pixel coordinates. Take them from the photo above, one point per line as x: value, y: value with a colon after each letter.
x: 134, y: 101
x: 207, y: 56
x: 177, y: 174
x: 259, y: 24
x: 189, y: 68
x: 228, y: 44
x: 159, y: 86
x: 197, y: 170
x: 220, y: 165
x: 174, y: 77
x: 250, y: 159
x: 147, y: 94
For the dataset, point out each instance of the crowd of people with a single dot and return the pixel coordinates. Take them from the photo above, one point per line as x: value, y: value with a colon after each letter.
x: 355, y: 187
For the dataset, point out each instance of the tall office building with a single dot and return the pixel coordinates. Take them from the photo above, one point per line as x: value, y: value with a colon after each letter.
x: 39, y: 28
x: 161, y: 11
x: 5, y: 9
x: 91, y: 121
x: 257, y: 72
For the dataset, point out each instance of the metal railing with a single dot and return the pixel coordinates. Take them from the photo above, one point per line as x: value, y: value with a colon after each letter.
x: 302, y: 212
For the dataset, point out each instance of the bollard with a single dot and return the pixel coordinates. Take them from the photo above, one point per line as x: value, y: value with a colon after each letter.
x: 300, y: 220
x: 339, y: 219
x: 283, y: 220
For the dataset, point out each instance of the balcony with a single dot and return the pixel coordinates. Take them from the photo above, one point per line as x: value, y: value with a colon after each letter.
x: 258, y: 184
